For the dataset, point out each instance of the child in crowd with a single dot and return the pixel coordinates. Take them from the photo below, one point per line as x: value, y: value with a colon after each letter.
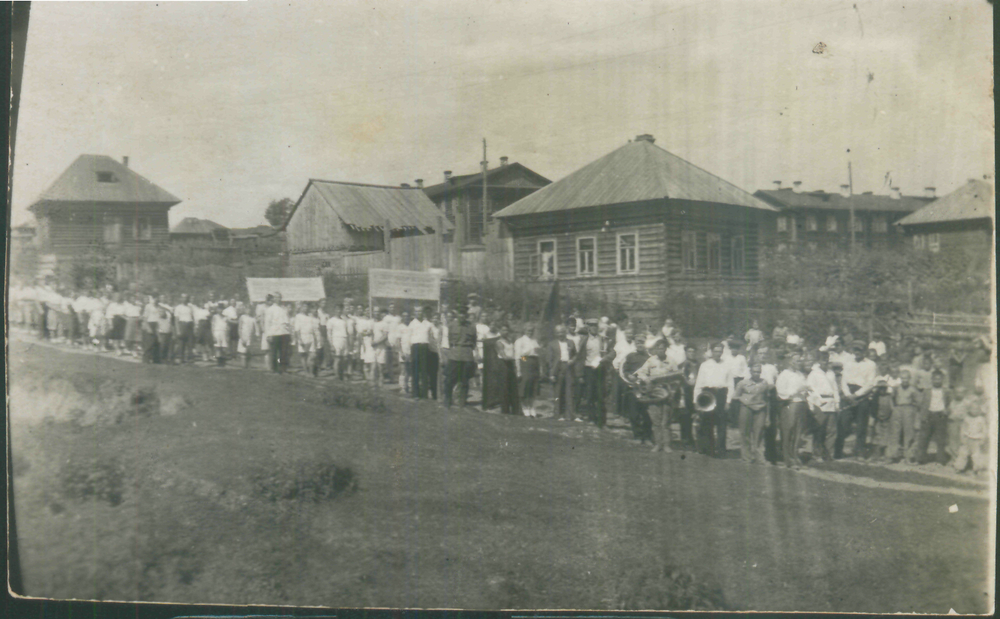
x: 883, y: 415
x: 220, y: 333
x: 973, y: 447
x: 247, y: 326
x: 902, y: 424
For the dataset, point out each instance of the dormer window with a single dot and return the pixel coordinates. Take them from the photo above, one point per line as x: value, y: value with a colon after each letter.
x: 106, y: 177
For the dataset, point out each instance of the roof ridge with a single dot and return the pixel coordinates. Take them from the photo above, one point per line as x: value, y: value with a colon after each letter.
x: 322, y: 180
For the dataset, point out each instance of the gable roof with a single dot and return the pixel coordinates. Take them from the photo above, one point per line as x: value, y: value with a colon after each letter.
x: 636, y: 172
x: 974, y: 200
x: 820, y: 200
x: 366, y: 207
x: 193, y: 225
x: 529, y: 179
x: 79, y: 184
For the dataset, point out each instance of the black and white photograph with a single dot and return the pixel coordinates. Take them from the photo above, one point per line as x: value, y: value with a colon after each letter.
x: 510, y: 305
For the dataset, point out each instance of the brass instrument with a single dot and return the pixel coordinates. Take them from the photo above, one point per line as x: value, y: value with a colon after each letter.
x: 658, y: 390
x: 705, y: 402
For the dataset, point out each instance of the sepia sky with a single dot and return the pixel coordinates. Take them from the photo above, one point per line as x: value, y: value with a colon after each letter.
x: 230, y: 105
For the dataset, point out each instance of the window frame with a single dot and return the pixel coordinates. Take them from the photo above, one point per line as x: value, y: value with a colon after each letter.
x: 635, y: 252
x: 934, y: 242
x: 709, y: 237
x: 859, y: 224
x: 782, y: 223
x: 689, y: 247
x: 541, y: 262
x: 139, y: 232
x: 735, y: 240
x: 106, y: 177
x: 880, y: 224
x: 812, y: 223
x: 919, y: 242
x: 831, y: 223
x: 593, y: 257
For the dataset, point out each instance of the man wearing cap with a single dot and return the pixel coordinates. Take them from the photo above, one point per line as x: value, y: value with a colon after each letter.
x: 561, y: 354
x: 461, y: 361
x: 278, y: 331
x: 824, y: 401
x: 714, y: 377
x: 526, y: 356
x: 793, y: 389
x: 858, y: 382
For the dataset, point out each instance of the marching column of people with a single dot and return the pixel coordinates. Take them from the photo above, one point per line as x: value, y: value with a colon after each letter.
x: 865, y: 400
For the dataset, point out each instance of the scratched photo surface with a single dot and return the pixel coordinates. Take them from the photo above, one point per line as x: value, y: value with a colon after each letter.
x: 659, y: 305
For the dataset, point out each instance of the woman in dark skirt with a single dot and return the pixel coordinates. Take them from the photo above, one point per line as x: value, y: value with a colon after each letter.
x: 506, y: 369
x: 116, y: 315
x: 203, y: 331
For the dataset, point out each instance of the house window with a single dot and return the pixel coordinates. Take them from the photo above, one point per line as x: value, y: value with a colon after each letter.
x: 934, y: 242
x: 112, y: 230
x: 880, y: 224
x: 106, y: 177
x: 811, y: 224
x: 546, y: 259
x: 143, y: 229
x: 831, y: 223
x: 782, y: 224
x: 689, y: 250
x: 919, y: 241
x: 739, y: 254
x: 859, y: 224
x: 586, y: 252
x: 627, y: 258
x: 714, y: 250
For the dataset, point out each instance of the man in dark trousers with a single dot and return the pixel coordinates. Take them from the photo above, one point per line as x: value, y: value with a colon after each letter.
x: 561, y: 354
x: 714, y: 377
x: 421, y: 333
x: 461, y: 360
x: 590, y: 364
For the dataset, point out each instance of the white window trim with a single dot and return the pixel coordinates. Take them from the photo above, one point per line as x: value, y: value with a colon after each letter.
x: 618, y: 252
x: 693, y: 235
x: 831, y: 223
x: 579, y: 270
x: 732, y: 254
x: 934, y: 242
x: 782, y: 223
x: 708, y: 252
x: 880, y: 224
x: 555, y: 258
x: 812, y: 223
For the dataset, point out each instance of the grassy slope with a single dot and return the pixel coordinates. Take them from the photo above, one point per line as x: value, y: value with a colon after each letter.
x: 458, y: 510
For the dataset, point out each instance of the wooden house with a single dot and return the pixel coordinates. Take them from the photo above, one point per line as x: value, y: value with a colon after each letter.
x: 100, y: 203
x: 817, y: 219
x: 958, y: 225
x: 636, y: 224
x: 461, y: 197
x: 336, y: 222
x: 195, y: 231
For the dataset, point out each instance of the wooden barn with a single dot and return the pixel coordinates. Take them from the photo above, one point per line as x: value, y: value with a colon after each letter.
x: 195, y: 231
x: 337, y: 225
x: 99, y: 202
x: 959, y: 224
x: 636, y: 224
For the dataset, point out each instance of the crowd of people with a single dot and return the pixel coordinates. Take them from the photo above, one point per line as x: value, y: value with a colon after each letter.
x: 894, y: 400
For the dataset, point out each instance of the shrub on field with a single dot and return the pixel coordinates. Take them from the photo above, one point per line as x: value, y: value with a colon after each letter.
x: 304, y: 481
x: 101, y: 478
x: 115, y: 402
x: 663, y: 586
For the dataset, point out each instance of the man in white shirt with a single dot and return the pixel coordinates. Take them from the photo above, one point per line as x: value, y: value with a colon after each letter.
x: 624, y: 346
x: 590, y: 362
x: 792, y: 389
x: 714, y: 377
x: 857, y: 383
x: 184, y: 318
x: 676, y: 350
x: 561, y: 355
x: 420, y: 340
x: 824, y: 402
x: 278, y: 331
x: 232, y: 316
x: 526, y: 360
x: 336, y: 334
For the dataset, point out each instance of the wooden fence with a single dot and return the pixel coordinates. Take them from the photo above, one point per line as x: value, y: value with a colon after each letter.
x: 954, y: 325
x: 492, y: 261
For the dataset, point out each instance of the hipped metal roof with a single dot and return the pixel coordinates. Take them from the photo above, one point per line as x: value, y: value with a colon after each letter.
x: 193, y: 225
x: 638, y: 171
x: 789, y: 198
x: 80, y: 184
x: 974, y: 200
x: 366, y: 207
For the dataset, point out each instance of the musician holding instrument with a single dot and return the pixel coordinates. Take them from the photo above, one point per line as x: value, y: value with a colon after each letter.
x: 685, y: 408
x: 632, y: 409
x: 654, y: 378
x: 711, y: 389
x: 856, y: 391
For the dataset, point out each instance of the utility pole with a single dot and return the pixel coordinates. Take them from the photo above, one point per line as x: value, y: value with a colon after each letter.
x: 850, y: 201
x: 485, y: 162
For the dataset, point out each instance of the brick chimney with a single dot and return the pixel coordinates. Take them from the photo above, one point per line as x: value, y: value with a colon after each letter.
x: 929, y: 192
x: 125, y: 161
x: 845, y: 190
x: 405, y: 185
x: 503, y: 162
x: 797, y: 186
x: 419, y: 182
x: 447, y: 177
x: 777, y: 184
x: 894, y: 193
x: 645, y: 137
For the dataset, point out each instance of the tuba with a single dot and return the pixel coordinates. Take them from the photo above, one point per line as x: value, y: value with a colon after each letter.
x: 658, y: 390
x: 705, y: 402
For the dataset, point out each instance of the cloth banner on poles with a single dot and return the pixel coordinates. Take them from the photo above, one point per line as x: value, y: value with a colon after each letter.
x: 392, y: 284
x: 290, y: 288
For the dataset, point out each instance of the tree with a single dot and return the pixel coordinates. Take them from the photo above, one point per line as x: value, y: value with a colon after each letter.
x: 278, y: 211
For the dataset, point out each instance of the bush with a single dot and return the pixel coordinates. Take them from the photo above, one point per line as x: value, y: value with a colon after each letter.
x: 663, y: 586
x: 360, y: 397
x: 304, y: 481
x: 100, y: 478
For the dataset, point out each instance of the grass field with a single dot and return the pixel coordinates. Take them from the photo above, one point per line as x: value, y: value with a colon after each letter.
x: 452, y: 509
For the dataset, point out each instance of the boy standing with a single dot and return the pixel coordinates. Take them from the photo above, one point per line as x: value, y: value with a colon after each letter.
x: 752, y: 396
x: 902, y: 424
x: 935, y: 404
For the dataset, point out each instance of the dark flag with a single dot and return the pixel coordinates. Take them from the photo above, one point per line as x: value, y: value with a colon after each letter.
x: 550, y: 315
